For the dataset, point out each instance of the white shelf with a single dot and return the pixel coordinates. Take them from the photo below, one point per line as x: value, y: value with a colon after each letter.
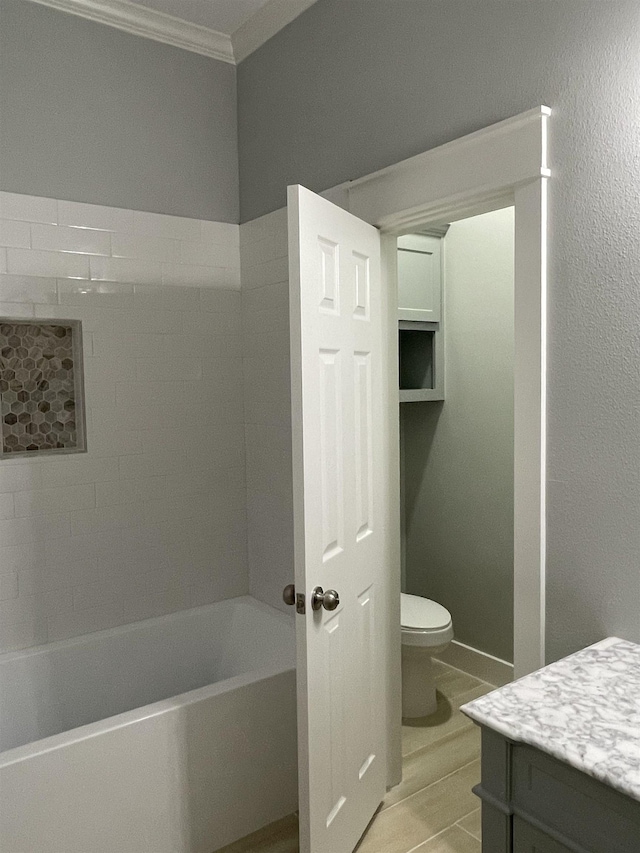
x: 420, y: 395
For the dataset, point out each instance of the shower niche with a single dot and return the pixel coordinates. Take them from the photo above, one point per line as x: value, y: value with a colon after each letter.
x: 41, y: 387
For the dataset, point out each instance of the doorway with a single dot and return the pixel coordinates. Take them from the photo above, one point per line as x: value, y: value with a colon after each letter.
x: 457, y: 443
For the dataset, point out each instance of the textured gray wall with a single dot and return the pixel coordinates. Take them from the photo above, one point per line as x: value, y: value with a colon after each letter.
x: 458, y: 455
x: 354, y: 85
x: 92, y: 114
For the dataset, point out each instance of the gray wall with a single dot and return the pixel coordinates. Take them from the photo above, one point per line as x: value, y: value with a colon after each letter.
x: 92, y: 114
x: 353, y: 85
x: 458, y: 455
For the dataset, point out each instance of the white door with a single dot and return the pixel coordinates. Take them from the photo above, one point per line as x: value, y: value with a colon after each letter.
x: 336, y: 365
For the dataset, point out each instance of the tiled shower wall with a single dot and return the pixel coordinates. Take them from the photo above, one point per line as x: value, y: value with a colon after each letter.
x: 152, y: 519
x: 267, y: 390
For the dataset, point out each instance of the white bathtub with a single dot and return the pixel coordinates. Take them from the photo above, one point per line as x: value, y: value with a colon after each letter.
x: 173, y: 735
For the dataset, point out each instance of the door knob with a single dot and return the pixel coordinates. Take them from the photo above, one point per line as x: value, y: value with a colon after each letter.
x: 329, y: 599
x: 289, y: 594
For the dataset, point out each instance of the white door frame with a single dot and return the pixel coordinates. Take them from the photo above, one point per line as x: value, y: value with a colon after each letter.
x: 501, y: 165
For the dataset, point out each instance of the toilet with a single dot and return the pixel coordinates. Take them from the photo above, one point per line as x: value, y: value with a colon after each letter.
x: 427, y: 629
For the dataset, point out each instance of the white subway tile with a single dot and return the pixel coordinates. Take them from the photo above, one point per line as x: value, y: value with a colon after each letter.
x: 168, y: 392
x: 59, y: 238
x: 161, y: 225
x: 100, y: 396
x: 6, y: 505
x: 87, y: 344
x: 125, y: 269
x: 95, y: 595
x: 170, y: 461
x: 224, y: 344
x: 135, y: 563
x: 8, y: 585
x: 267, y: 403
x: 15, y: 234
x: 28, y: 208
x: 63, y: 499
x: 254, y: 254
x: 233, y: 582
x: 194, y: 276
x: 114, y: 517
x: 208, y: 325
x: 220, y: 301
x: 130, y: 491
x: 107, y: 369
x: 145, y: 248
x: 144, y: 322
x: 157, y: 604
x: 220, y: 232
x: 270, y: 272
x: 148, y: 297
x: 16, y: 478
x: 168, y: 368
x: 16, y: 310
x: 233, y: 278
x: 130, y: 345
x: 119, y: 443
x: 95, y: 216
x: 157, y: 441
x: 72, y: 471
x: 268, y: 297
x: 268, y: 459
x: 206, y: 253
x: 17, y: 558
x: 51, y: 576
x: 23, y: 635
x: 22, y: 531
x: 24, y: 288
x: 275, y: 367
x: 103, y: 294
x: 55, y: 264
x: 63, y: 626
x: 167, y: 297
x: 20, y: 609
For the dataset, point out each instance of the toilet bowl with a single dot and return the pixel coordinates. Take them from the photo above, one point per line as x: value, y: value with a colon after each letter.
x: 426, y: 630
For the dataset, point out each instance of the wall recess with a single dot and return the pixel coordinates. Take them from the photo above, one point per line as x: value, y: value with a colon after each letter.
x: 41, y: 387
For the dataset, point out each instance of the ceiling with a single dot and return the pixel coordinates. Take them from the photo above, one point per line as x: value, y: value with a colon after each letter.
x: 228, y: 30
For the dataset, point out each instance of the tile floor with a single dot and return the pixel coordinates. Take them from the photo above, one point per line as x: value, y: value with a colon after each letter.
x: 432, y: 810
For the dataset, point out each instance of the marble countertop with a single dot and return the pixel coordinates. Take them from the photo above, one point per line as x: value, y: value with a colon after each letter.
x: 583, y: 710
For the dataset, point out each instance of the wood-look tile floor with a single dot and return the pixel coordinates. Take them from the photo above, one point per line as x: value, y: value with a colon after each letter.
x: 432, y: 810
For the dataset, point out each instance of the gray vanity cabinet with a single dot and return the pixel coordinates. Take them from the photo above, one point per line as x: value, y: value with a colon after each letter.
x: 533, y: 803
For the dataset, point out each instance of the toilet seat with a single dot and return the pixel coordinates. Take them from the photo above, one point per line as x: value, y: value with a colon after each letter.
x: 424, y: 622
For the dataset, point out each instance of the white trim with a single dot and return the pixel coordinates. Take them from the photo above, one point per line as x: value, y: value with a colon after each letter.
x: 265, y: 23
x: 148, y: 23
x: 479, y: 664
x: 503, y: 164
x: 158, y: 26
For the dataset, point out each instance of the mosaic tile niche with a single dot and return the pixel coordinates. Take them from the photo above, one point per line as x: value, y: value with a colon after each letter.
x: 41, y: 387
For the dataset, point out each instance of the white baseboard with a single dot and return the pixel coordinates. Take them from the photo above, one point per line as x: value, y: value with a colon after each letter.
x: 479, y: 664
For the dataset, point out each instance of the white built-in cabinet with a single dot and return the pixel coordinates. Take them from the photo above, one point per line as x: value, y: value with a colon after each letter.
x: 419, y: 278
x: 420, y: 320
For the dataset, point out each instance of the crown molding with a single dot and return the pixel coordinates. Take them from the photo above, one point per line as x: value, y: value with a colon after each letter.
x: 265, y: 23
x: 142, y: 21
x: 148, y: 23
